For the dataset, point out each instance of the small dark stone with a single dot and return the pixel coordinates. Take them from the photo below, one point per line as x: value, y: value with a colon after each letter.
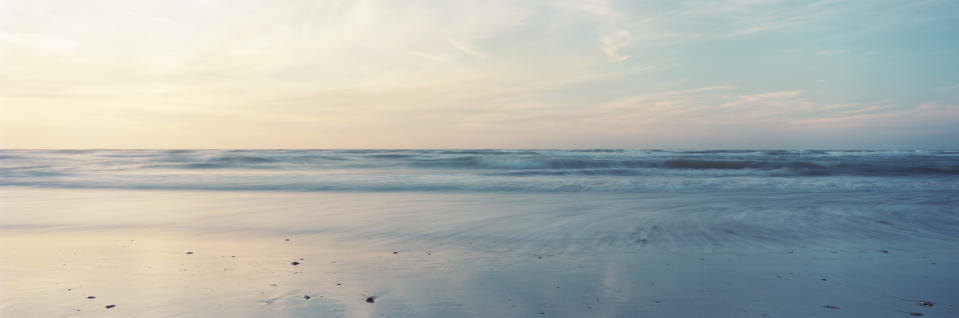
x: 110, y: 306
x: 831, y: 307
x: 91, y: 297
x: 395, y: 252
x: 659, y: 301
x: 371, y: 299
x: 339, y: 284
x: 915, y: 314
x: 642, y: 241
x: 539, y: 257
x: 884, y: 251
x: 294, y: 263
x: 234, y: 256
x: 189, y: 252
x: 542, y: 313
x: 822, y: 279
x: 926, y: 303
x: 287, y: 239
x: 307, y: 297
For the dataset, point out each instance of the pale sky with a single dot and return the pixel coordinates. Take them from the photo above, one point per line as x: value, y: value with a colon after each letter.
x: 479, y: 74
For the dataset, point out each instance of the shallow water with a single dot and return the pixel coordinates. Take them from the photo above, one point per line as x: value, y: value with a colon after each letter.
x: 478, y: 233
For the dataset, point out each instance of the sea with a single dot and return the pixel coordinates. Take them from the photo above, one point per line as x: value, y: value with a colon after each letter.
x: 670, y: 198
x: 499, y: 232
x: 504, y: 171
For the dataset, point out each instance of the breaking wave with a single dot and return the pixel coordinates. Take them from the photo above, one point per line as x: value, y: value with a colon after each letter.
x: 591, y: 170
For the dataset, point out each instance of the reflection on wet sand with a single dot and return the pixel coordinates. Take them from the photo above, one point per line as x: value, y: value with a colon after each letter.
x: 154, y: 253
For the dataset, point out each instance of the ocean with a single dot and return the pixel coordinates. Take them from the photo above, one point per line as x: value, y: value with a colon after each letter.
x: 478, y: 233
x: 515, y: 171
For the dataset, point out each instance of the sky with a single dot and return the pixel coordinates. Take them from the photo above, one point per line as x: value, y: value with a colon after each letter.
x: 480, y: 74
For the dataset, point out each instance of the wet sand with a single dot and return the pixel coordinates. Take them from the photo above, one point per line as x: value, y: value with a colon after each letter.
x: 444, y: 255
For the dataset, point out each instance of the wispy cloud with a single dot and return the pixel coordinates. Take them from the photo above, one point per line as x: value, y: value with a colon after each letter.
x: 831, y: 52
x: 614, y: 42
x: 479, y: 73
x: 467, y: 49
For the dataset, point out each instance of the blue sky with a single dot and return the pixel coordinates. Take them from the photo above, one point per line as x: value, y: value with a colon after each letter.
x: 479, y: 74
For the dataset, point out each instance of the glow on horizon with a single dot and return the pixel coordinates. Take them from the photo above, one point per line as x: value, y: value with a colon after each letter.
x: 479, y: 74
